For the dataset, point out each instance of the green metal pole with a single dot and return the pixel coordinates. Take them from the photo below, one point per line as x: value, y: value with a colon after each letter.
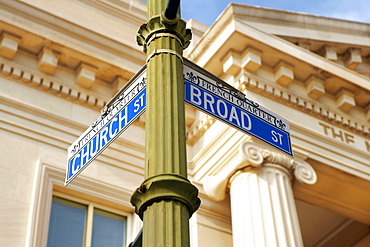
x: 166, y: 199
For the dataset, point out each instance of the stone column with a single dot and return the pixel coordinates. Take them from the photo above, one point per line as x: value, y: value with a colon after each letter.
x: 262, y: 203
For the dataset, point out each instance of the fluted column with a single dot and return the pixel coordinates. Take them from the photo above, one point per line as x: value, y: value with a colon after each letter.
x: 262, y: 202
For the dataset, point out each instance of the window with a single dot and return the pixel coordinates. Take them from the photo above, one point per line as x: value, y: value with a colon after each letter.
x: 75, y: 224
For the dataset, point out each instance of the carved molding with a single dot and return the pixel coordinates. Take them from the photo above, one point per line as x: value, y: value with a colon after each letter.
x: 86, y: 75
x: 345, y: 100
x: 304, y: 172
x: 305, y: 105
x: 198, y: 128
x: 253, y: 155
x: 284, y: 73
x: 244, y: 81
x: 48, y: 60
x: 353, y: 58
x: 256, y: 155
x: 37, y: 80
x: 329, y: 52
x: 9, y: 44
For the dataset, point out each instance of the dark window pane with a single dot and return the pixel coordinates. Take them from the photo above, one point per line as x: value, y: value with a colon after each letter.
x: 67, y: 224
x: 108, y: 229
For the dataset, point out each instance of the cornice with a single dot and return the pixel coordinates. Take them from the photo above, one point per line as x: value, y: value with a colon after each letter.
x: 247, y: 82
x: 230, y: 34
x: 198, y: 128
x: 50, y: 85
x: 78, y: 35
x: 299, y: 19
x: 135, y: 10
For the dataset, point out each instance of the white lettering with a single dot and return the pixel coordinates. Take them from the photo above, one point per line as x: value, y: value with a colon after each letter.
x: 96, y: 140
x: 208, y: 99
x: 224, y: 115
x: 194, y: 95
x: 122, y: 116
x: 103, y: 137
x: 74, y: 167
x: 84, y: 155
x: 234, y: 115
x: 137, y: 104
x: 249, y: 122
x: 111, y: 135
x: 277, y: 138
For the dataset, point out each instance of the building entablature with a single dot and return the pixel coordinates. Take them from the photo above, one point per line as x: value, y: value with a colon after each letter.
x: 85, y: 60
x: 274, y: 72
x: 73, y: 58
x: 304, y: 26
x: 241, y: 47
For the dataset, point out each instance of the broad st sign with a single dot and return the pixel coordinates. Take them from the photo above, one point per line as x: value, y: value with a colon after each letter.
x: 125, y: 107
x: 209, y: 94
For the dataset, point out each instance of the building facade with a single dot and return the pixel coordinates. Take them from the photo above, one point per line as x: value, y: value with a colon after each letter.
x: 61, y: 61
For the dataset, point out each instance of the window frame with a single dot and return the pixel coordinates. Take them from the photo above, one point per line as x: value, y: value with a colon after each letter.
x: 91, y: 208
x: 49, y: 181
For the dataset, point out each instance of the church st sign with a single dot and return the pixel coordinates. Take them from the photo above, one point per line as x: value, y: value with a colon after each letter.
x: 116, y: 117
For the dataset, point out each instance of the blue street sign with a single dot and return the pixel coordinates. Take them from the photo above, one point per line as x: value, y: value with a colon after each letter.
x: 125, y: 107
x: 212, y: 96
x: 203, y: 91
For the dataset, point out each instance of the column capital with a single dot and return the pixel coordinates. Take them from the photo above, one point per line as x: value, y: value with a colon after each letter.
x: 254, y: 155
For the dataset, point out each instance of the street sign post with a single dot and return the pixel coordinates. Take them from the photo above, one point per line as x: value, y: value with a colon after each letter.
x: 116, y: 117
x: 213, y: 96
x: 203, y: 90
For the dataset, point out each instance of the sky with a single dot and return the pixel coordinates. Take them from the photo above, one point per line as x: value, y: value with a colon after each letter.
x: 207, y: 11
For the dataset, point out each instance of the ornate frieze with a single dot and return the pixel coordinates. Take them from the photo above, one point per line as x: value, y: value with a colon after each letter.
x: 315, y: 88
x: 262, y: 87
x: 48, y: 85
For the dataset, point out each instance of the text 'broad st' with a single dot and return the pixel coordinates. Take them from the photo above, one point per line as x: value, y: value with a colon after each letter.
x: 231, y: 107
